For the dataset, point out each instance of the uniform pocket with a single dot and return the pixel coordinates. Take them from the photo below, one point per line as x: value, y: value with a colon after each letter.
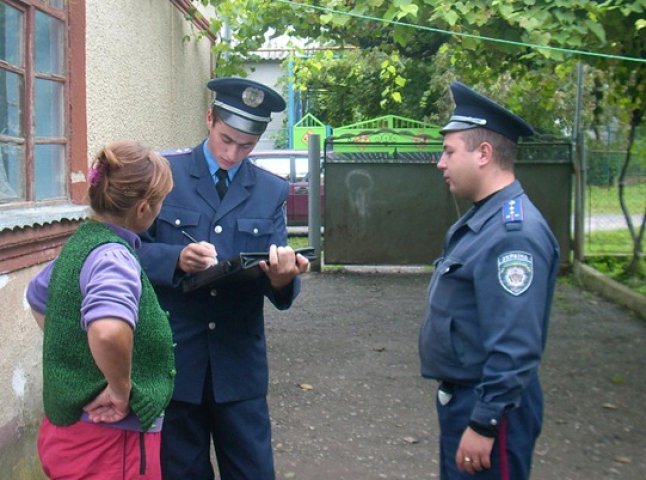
x: 256, y: 227
x: 254, y: 233
x: 171, y: 222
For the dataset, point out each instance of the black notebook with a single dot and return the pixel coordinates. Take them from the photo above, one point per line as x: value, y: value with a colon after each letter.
x: 243, y: 267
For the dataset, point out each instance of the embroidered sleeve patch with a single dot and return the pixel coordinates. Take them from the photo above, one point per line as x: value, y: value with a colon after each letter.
x: 515, y: 271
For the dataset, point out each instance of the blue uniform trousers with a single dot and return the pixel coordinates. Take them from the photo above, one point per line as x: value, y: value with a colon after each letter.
x: 241, y: 434
x: 511, y: 457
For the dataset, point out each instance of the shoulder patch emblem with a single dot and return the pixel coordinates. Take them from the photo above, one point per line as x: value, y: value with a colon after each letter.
x: 515, y: 271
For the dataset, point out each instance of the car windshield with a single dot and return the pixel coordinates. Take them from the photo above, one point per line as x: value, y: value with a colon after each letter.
x: 278, y: 165
x: 302, y: 167
x: 289, y: 164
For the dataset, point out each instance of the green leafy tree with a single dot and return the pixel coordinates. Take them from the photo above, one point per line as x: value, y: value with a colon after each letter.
x: 406, y: 82
x: 398, y: 56
x: 625, y: 90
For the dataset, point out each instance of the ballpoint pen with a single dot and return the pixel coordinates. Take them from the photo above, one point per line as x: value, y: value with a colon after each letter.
x: 192, y: 239
x: 189, y: 237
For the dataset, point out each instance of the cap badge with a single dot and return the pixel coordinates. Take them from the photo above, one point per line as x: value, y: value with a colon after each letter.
x: 252, y: 97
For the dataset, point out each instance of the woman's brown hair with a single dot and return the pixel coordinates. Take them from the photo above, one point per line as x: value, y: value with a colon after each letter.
x: 125, y: 172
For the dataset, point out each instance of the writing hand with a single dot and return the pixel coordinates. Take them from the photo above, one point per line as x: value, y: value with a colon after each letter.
x: 196, y: 257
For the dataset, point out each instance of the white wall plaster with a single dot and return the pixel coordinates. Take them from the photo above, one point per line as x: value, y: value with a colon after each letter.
x: 25, y: 304
x: 18, y: 382
x: 77, y: 177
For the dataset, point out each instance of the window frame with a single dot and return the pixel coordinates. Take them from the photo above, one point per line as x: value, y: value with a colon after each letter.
x: 27, y: 238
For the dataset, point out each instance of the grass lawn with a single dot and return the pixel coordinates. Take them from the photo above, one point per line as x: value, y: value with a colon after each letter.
x: 297, y: 242
x: 605, y: 200
x: 608, y: 242
x: 613, y: 266
x: 610, y: 251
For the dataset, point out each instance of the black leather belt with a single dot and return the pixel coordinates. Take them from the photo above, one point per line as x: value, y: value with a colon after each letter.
x: 447, y: 386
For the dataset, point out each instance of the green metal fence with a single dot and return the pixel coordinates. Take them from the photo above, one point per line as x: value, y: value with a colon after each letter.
x: 605, y: 224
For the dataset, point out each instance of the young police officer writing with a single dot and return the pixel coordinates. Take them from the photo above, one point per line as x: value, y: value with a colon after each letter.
x: 230, y: 206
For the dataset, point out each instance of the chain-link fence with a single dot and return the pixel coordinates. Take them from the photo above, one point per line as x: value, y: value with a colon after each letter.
x: 606, y: 226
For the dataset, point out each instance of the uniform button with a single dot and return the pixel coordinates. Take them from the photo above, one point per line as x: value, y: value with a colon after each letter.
x: 493, y: 422
x: 211, y: 325
x: 255, y: 231
x: 213, y: 292
x: 218, y: 229
x: 173, y: 372
x: 178, y: 221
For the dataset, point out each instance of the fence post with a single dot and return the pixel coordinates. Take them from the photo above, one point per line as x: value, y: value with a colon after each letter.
x: 579, y: 172
x: 314, y: 200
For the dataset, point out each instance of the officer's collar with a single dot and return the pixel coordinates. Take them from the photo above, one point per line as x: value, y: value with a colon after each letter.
x: 492, y: 204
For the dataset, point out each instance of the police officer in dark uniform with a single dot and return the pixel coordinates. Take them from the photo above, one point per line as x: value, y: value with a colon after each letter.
x: 227, y: 205
x: 489, y: 300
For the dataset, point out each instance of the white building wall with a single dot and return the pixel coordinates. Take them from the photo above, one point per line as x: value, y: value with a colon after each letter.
x: 20, y: 372
x: 268, y: 73
x: 144, y: 82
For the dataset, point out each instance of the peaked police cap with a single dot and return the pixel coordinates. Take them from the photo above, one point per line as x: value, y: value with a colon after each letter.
x: 244, y: 104
x: 473, y: 110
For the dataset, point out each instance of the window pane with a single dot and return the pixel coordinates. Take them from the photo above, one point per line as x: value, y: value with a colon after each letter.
x: 56, y: 3
x: 48, y: 114
x: 11, y: 35
x: 11, y: 101
x: 49, y: 44
x: 49, y: 171
x: 12, y: 161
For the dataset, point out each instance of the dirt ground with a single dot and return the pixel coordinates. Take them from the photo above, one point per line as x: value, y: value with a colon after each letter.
x: 347, y: 400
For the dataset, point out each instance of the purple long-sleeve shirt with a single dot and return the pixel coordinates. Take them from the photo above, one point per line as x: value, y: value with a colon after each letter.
x: 110, y: 283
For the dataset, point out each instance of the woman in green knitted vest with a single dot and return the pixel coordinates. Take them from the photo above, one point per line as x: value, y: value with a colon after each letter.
x: 108, y: 365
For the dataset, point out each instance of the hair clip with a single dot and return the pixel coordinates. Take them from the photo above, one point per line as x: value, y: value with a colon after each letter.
x: 95, y: 174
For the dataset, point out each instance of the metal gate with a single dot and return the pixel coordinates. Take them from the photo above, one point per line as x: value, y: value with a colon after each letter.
x: 395, y: 208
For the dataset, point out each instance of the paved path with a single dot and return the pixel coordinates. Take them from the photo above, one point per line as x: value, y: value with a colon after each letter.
x: 610, y: 222
x: 347, y: 400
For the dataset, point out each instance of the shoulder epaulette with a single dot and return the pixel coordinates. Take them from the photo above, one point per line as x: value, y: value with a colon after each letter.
x: 171, y: 152
x: 512, y: 214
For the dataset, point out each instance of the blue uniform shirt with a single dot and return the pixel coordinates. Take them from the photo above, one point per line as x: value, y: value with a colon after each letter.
x: 489, y: 302
x: 213, y: 165
x: 217, y: 331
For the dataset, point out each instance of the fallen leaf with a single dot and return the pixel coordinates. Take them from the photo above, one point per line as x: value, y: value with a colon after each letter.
x: 618, y: 379
x: 609, y: 406
x: 411, y: 440
x: 305, y: 386
x: 622, y: 459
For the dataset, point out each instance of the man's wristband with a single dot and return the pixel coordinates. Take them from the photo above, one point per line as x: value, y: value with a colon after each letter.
x: 489, y: 431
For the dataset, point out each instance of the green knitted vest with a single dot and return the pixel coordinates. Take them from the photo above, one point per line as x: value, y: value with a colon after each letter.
x: 71, y: 378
